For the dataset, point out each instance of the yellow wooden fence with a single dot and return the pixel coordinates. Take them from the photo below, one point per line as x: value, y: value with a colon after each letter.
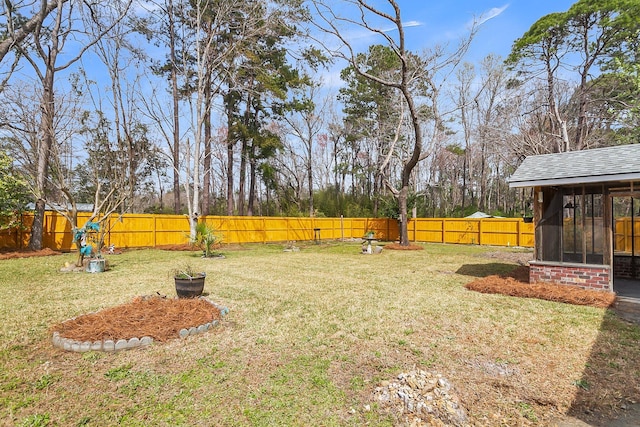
x: 146, y: 230
x: 625, y: 228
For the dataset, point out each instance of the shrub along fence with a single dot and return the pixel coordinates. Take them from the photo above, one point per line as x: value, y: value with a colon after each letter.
x: 146, y: 230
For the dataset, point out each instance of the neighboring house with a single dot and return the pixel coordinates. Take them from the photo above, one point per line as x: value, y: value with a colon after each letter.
x: 82, y: 207
x: 480, y: 214
x: 586, y: 215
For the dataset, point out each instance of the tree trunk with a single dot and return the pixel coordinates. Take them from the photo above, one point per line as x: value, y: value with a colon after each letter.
x: 482, y: 199
x: 402, y: 202
x: 411, y: 162
x: 37, y: 227
x: 252, y: 182
x: 581, y: 125
x: 176, y: 113
x: 310, y: 176
x: 242, y: 179
x: 206, y: 185
x: 561, y: 124
x: 230, y: 143
x: 44, y: 151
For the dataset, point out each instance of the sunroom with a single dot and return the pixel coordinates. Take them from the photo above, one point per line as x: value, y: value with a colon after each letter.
x: 586, y: 211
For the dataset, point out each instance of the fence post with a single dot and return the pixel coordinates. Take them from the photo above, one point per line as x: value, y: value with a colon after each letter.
x: 480, y: 232
x: 414, y: 228
x: 286, y: 221
x: 388, y: 229
x: 19, y: 231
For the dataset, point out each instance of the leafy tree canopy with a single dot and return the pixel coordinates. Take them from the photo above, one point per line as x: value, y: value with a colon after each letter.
x: 14, y: 194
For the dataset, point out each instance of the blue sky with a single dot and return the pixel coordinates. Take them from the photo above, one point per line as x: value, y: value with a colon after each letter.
x: 429, y: 22
x: 438, y: 21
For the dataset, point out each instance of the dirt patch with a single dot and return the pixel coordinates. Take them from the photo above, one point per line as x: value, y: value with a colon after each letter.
x: 179, y: 247
x: 194, y: 248
x: 517, y: 284
x: 399, y: 247
x: 515, y: 257
x: 156, y: 317
x: 27, y: 253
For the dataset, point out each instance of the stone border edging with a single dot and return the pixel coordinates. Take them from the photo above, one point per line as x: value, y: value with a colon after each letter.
x: 69, y: 344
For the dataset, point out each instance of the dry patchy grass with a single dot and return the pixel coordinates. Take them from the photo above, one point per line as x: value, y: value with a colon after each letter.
x: 308, y: 337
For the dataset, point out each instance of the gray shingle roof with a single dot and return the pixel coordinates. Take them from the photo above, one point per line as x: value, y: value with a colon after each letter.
x: 619, y: 163
x: 82, y: 207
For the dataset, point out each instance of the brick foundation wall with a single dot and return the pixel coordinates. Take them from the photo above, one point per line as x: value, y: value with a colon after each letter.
x: 582, y: 275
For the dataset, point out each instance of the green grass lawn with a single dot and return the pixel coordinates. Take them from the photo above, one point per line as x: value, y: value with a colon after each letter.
x: 309, y: 336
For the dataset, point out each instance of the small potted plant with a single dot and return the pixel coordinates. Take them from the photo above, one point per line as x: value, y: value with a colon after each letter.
x: 189, y: 283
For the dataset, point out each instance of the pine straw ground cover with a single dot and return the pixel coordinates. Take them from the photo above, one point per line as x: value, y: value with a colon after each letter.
x: 516, y: 284
x: 157, y: 317
x: 308, y: 338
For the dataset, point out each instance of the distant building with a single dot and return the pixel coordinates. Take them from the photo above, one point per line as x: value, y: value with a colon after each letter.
x: 82, y: 207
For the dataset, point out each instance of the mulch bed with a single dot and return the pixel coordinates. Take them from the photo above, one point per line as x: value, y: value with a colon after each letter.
x: 517, y: 284
x: 179, y: 247
x: 12, y: 253
x: 157, y: 317
x: 399, y: 247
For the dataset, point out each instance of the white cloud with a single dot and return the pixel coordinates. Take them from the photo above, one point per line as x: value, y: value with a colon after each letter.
x: 491, y: 13
x: 407, y: 24
x: 412, y: 24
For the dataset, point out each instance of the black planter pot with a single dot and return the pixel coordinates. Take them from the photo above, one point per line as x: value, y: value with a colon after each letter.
x: 190, y: 287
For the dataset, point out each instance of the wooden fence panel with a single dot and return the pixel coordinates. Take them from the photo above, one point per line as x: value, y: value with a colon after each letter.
x: 10, y: 239
x: 132, y: 230
x: 275, y: 229
x: 244, y: 229
x: 329, y: 228
x: 358, y: 227
x: 379, y: 226
x: 623, y: 232
x: 141, y: 230
x: 171, y: 229
x: 427, y: 230
x: 506, y: 232
x: 526, y: 233
x: 299, y: 229
x: 462, y: 231
x: 57, y: 233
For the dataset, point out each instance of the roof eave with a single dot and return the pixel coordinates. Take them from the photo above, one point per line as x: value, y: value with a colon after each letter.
x: 599, y: 179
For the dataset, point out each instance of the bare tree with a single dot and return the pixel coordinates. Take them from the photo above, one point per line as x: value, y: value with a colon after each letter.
x: 289, y: 181
x: 170, y: 27
x: 119, y: 54
x: 305, y: 125
x: 414, y: 75
x: 13, y: 13
x: 173, y: 61
x: 492, y: 94
x: 466, y: 76
x: 212, y: 22
x: 70, y: 20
